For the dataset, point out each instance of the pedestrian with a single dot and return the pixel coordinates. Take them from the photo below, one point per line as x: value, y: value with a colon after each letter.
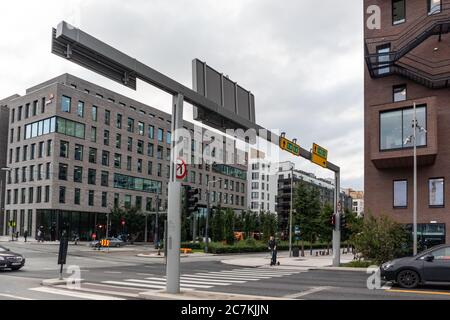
x: 273, y: 248
x: 25, y: 235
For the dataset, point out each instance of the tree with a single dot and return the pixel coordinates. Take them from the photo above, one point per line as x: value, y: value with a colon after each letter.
x: 217, y: 222
x: 268, y: 224
x: 134, y: 221
x: 229, y: 226
x: 307, y: 211
x: 380, y: 239
x: 325, y: 228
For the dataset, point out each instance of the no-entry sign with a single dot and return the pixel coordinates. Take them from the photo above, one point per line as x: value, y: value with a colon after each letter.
x: 181, y: 169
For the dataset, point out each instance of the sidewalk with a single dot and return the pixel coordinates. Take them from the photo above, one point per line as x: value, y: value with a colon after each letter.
x: 308, y: 261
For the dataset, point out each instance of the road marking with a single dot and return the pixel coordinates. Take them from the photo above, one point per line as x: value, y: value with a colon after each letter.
x: 141, y: 285
x: 74, y: 294
x: 307, y: 292
x: 14, y: 297
x: 223, y: 276
x: 113, y: 272
x: 194, y: 276
x: 163, y: 282
x: 443, y: 293
x: 113, y: 292
x: 145, y: 274
x: 194, y: 281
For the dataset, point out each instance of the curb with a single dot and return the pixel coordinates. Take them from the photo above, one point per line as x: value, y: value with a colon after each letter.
x: 339, y: 269
x: 201, y: 295
x: 155, y: 256
x: 56, y: 282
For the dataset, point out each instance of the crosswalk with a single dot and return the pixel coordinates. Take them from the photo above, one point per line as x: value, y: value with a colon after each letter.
x: 206, y: 280
x: 130, y: 288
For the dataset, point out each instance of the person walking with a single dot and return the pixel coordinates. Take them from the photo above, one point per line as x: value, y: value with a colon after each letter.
x: 25, y: 235
x: 273, y: 248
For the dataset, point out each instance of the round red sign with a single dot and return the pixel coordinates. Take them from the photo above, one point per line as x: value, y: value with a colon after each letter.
x: 181, y: 169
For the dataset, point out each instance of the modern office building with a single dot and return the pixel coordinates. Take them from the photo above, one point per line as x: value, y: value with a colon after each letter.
x: 407, y: 64
x: 286, y: 170
x: 262, y: 182
x: 76, y: 150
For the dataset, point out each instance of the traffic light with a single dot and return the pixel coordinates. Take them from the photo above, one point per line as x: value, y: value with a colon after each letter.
x: 190, y: 199
x: 333, y: 220
x: 343, y: 222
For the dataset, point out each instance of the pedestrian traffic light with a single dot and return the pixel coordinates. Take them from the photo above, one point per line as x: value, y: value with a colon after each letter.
x: 343, y: 222
x: 122, y: 222
x: 333, y: 220
x: 190, y: 199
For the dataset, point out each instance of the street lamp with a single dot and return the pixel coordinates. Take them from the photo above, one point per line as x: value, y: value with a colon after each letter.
x: 413, y: 138
x: 207, y: 212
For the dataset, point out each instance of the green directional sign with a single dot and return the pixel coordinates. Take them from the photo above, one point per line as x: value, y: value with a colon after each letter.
x: 289, y: 146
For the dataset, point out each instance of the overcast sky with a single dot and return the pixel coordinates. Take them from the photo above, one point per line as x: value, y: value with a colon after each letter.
x: 302, y: 59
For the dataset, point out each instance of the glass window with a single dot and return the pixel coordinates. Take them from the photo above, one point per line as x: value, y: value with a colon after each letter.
x: 104, y: 178
x: 400, y: 194
x: 63, y: 171
x: 398, y: 11
x: 130, y: 126
x: 399, y: 93
x: 92, y: 155
x: 65, y: 104
x: 160, y: 134
x: 140, y: 147
x: 91, y: 176
x: 79, y: 152
x: 118, y: 140
x: 383, y: 60
x: 106, y: 137
x: 80, y: 109
x: 442, y: 254
x: 91, y: 198
x: 119, y: 121
x: 151, y: 132
x: 396, y: 128
x: 434, y: 6
x: 436, y: 192
x: 93, y: 134
x: 130, y: 144
x: 141, y: 128
x: 107, y: 117
x: 94, y: 113
x: 104, y: 199
x: 62, y: 194
x: 129, y: 159
x: 63, y: 149
x: 77, y: 199
x: 117, y: 161
x: 168, y: 137
x: 150, y: 149
x: 127, y: 201
x: 78, y: 174
x: 105, y: 158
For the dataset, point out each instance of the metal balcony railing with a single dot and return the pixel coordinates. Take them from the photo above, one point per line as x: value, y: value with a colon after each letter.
x: 387, y: 63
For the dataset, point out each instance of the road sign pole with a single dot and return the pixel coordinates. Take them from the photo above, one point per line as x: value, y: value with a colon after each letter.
x: 337, y: 228
x: 174, y: 205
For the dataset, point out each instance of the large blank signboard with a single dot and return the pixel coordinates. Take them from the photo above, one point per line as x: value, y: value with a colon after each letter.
x: 223, y: 91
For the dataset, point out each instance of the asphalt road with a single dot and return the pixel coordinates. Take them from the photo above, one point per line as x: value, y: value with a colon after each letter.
x: 120, y: 274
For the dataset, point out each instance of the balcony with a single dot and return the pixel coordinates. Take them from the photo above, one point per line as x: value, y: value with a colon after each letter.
x: 398, y: 158
x: 397, y: 60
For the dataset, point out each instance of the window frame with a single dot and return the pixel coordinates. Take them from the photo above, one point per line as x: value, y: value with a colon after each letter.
x: 393, y: 194
x: 396, y: 23
x: 443, y: 193
x: 396, y: 87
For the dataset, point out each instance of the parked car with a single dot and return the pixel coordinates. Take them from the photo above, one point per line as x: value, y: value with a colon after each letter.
x: 113, y: 242
x: 429, y: 266
x: 10, y: 260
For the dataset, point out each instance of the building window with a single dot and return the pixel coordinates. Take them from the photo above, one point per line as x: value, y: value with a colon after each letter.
x: 139, y: 203
x: 151, y: 132
x: 118, y: 140
x: 160, y: 134
x: 400, y: 194
x: 116, y: 200
x: 150, y: 150
x: 62, y: 194
x: 91, y: 176
x: 149, y: 168
x: 168, y: 137
x: 47, y: 194
x: 159, y: 170
x: 136, y: 184
x: 65, y: 104
x: 130, y: 144
x: 160, y: 152
x: 107, y: 117
x: 104, y: 178
x: 398, y: 11
x: 77, y: 198
x: 80, y: 109
x: 31, y: 195
x: 105, y: 158
x: 129, y: 159
x: 396, y: 128
x: 434, y: 6
x: 41, y: 149
x: 119, y: 121
x: 140, y: 147
x: 384, y: 59
x: 79, y: 152
x: 92, y: 155
x: 127, y: 201
x: 141, y: 128
x: 104, y: 199
x: 399, y: 93
x: 436, y: 192
x: 130, y: 126
x: 91, y: 198
x: 94, y: 113
x: 49, y: 148
x: 78, y: 174
x: 139, y: 165
x: 117, y: 161
x: 106, y: 137
x: 93, y: 134
x: 47, y: 170
x: 63, y: 149
x: 63, y: 171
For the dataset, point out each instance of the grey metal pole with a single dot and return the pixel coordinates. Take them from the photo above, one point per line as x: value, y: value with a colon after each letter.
x: 107, y: 224
x: 207, y: 218
x: 174, y: 207
x: 1, y: 207
x: 290, y: 213
x: 145, y: 231
x: 337, y: 229
x: 415, y: 184
x: 156, y: 236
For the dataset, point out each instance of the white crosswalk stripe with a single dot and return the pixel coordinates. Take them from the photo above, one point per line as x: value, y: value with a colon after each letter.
x: 205, y: 280
x: 74, y: 294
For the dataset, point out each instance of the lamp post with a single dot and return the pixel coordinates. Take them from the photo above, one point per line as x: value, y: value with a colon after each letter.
x: 290, y: 212
x: 208, y: 209
x: 1, y: 194
x: 413, y: 138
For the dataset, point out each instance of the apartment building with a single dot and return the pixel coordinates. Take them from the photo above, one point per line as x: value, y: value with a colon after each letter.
x: 357, y: 201
x: 287, y: 174
x: 262, y: 182
x: 406, y: 64
x: 76, y: 150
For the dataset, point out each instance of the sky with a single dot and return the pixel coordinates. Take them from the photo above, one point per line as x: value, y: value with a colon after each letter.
x: 302, y: 59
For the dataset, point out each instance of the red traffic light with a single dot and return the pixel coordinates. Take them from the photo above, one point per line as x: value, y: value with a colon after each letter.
x: 123, y: 222
x: 333, y: 220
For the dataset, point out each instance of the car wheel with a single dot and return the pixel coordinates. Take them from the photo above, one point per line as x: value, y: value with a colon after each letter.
x: 15, y: 268
x: 408, y: 279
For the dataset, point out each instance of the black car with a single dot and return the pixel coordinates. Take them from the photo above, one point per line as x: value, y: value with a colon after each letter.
x: 10, y: 260
x: 429, y: 266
